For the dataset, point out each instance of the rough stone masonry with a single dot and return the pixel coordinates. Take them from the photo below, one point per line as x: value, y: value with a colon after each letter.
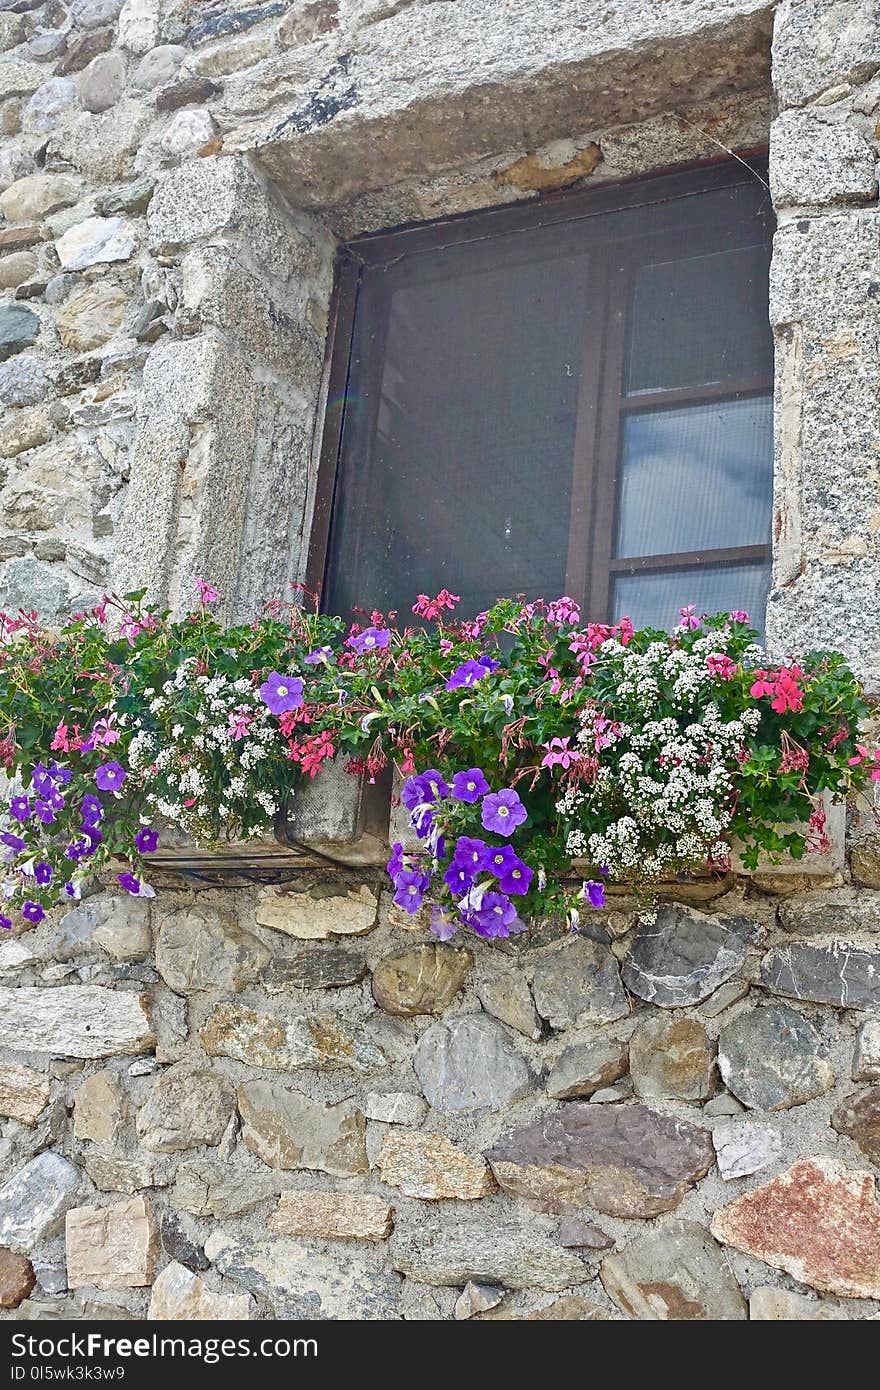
x: 234, y: 1103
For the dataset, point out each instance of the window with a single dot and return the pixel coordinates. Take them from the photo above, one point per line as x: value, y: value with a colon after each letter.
x: 569, y: 397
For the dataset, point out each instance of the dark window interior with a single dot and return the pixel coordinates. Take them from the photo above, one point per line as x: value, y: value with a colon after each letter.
x: 573, y: 397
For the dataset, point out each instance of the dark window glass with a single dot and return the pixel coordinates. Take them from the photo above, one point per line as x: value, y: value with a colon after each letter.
x: 572, y: 398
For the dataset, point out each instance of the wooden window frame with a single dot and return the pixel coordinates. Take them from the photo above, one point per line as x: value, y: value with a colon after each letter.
x: 603, y: 401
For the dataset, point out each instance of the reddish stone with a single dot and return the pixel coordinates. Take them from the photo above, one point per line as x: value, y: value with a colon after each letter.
x: 17, y: 1278
x: 819, y: 1221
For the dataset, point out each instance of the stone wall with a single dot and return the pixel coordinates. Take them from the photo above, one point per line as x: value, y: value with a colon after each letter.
x: 289, y: 1102
x: 567, y: 1121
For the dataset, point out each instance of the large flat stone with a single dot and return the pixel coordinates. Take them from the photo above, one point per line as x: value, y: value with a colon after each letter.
x: 206, y: 1188
x: 859, y: 1117
x: 683, y: 956
x: 744, y: 1147
x: 74, y: 1021
x: 578, y: 983
x: 207, y: 949
x: 302, y: 1282
x: 316, y: 967
x: 324, y: 1041
x: 624, y: 1160
x: 288, y: 1130
x: 112, y: 1247
x: 315, y: 918
x: 468, y: 1063
x: 844, y: 972
x: 585, y: 1067
x: 767, y: 1304
x: 673, y: 1274
x: 332, y: 1216
x: 819, y: 1221
x: 188, y: 1107
x: 24, y: 1093
x: 34, y: 1200
x: 452, y: 1247
x: 179, y: 1295
x: 422, y: 979
x: 429, y: 1166
x: 670, y: 1059
x: 771, y: 1058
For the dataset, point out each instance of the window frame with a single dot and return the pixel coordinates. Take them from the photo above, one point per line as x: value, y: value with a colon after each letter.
x: 603, y: 402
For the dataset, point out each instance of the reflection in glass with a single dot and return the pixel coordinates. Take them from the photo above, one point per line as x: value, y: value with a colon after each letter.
x: 653, y: 600
x: 697, y: 477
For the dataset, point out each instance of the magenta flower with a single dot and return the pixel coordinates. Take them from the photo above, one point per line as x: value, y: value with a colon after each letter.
x: 739, y: 616
x: 207, y: 592
x: 594, y: 893
x: 369, y: 639
x: 32, y: 912
x: 688, y: 620
x: 146, y: 840
x: 470, y: 785
x: 20, y: 808
x: 281, y: 693
x: 559, y: 753
x: 110, y: 777
x: 502, y: 812
x: 467, y: 675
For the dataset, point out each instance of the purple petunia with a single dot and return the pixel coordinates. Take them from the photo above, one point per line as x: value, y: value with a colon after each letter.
x: 42, y: 780
x: 469, y: 786
x: 146, y: 840
x: 91, y: 810
x: 78, y: 849
x: 458, y: 878
x: 442, y: 924
x: 43, y: 873
x: 594, y: 893
x: 110, y: 776
x: 514, y: 876
x: 32, y: 912
x: 472, y: 854
x: 318, y: 657
x: 281, y: 693
x: 502, y: 812
x: 20, y: 808
x: 426, y: 786
x: 410, y: 888
x: 43, y: 811
x: 135, y: 886
x: 14, y: 842
x: 466, y: 675
x: 5, y: 922
x: 60, y: 774
x: 395, y: 863
x: 494, y: 916
x: 369, y: 639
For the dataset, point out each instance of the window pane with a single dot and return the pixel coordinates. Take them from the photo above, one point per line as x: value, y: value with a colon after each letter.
x: 653, y: 600
x: 696, y: 478
x: 458, y: 445
x: 700, y: 320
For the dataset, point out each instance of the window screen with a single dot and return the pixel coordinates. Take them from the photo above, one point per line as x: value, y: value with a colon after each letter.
x: 573, y: 398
